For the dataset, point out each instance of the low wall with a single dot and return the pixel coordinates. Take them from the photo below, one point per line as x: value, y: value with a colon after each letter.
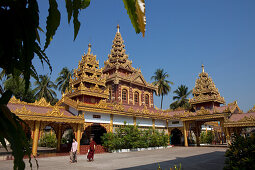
x: 84, y: 149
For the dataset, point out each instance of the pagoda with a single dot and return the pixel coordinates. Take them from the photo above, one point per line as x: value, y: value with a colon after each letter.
x: 126, y: 84
x: 205, y: 94
x: 88, y: 82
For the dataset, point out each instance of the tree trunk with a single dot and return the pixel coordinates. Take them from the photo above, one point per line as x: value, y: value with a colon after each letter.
x: 161, y: 101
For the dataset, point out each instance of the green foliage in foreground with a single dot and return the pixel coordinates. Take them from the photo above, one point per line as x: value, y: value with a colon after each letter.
x: 48, y: 140
x: 12, y: 131
x: 241, y: 153
x: 130, y: 137
x: 20, y: 42
x: 174, y: 168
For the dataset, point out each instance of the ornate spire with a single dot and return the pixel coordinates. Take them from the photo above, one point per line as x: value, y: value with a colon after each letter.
x: 205, y: 90
x: 89, y: 49
x: 88, y: 76
x: 203, y: 68
x: 118, y: 52
x: 118, y: 28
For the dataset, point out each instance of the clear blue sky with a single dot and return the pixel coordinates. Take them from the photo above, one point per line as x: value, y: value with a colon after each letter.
x: 180, y: 36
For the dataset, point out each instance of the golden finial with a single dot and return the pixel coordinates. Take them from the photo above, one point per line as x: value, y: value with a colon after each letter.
x: 89, y: 49
x: 118, y: 28
x: 203, y: 68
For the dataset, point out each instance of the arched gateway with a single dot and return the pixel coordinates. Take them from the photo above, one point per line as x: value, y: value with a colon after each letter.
x: 96, y: 131
x: 176, y: 137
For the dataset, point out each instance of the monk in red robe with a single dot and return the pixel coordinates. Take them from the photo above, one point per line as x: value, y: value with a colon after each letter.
x: 92, y: 147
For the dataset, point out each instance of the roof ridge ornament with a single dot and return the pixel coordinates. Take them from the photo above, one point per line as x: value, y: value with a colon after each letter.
x: 203, y: 68
x: 89, y: 49
x: 118, y: 28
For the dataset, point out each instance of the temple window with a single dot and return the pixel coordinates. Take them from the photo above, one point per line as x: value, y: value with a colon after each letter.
x: 136, y: 98
x: 147, y: 99
x: 124, y: 95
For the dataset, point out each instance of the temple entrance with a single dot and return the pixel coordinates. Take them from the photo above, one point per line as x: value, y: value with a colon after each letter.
x: 176, y: 138
x: 95, y: 131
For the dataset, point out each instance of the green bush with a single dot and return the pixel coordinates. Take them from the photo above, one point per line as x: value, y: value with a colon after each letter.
x: 207, y: 137
x: 130, y: 137
x: 48, y: 140
x: 241, y: 153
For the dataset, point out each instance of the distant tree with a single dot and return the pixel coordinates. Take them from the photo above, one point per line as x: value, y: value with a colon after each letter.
x: 44, y: 88
x: 17, y: 86
x: 182, y: 94
x: 63, y: 80
x: 162, y: 84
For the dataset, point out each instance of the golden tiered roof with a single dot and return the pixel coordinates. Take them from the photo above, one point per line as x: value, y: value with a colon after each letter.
x: 205, y: 90
x: 118, y: 67
x: 118, y: 52
x: 118, y: 57
x: 88, y: 79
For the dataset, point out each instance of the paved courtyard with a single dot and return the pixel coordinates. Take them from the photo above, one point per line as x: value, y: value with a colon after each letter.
x: 191, y: 158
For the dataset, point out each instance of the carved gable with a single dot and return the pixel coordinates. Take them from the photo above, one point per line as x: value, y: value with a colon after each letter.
x: 140, y: 80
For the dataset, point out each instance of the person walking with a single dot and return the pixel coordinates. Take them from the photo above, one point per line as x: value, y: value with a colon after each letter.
x: 92, y: 147
x: 73, y: 152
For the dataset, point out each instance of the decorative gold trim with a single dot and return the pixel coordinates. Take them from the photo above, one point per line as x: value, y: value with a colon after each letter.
x: 252, y: 109
x: 42, y: 102
x: 55, y: 112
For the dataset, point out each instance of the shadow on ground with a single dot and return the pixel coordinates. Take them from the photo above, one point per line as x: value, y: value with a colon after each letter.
x: 208, y: 161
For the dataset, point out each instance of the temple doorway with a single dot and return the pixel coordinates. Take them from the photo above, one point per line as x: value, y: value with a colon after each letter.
x: 95, y: 131
x: 176, y: 138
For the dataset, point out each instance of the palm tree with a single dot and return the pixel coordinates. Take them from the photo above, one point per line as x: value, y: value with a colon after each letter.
x: 17, y: 86
x: 63, y: 80
x: 161, y: 82
x: 182, y: 93
x: 44, y: 88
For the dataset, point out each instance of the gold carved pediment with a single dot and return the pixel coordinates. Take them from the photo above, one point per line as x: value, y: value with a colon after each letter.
x: 247, y: 119
x: 102, y: 104
x: 252, y: 110
x: 119, y: 107
x: 23, y: 110
x: 203, y: 111
x: 55, y: 112
x: 131, y: 110
x: 42, y: 102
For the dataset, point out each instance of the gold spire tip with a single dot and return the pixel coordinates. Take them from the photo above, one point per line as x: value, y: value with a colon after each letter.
x: 89, y: 49
x: 203, y: 68
x: 118, y: 28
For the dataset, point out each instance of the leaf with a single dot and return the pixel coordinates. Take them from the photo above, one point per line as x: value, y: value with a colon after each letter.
x: 37, y: 36
x: 130, y: 6
x: 77, y: 5
x: 136, y: 12
x: 2, y: 141
x: 53, y: 21
x: 69, y: 9
x: 84, y: 4
x: 76, y: 23
x: 140, y: 11
x: 42, y: 56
